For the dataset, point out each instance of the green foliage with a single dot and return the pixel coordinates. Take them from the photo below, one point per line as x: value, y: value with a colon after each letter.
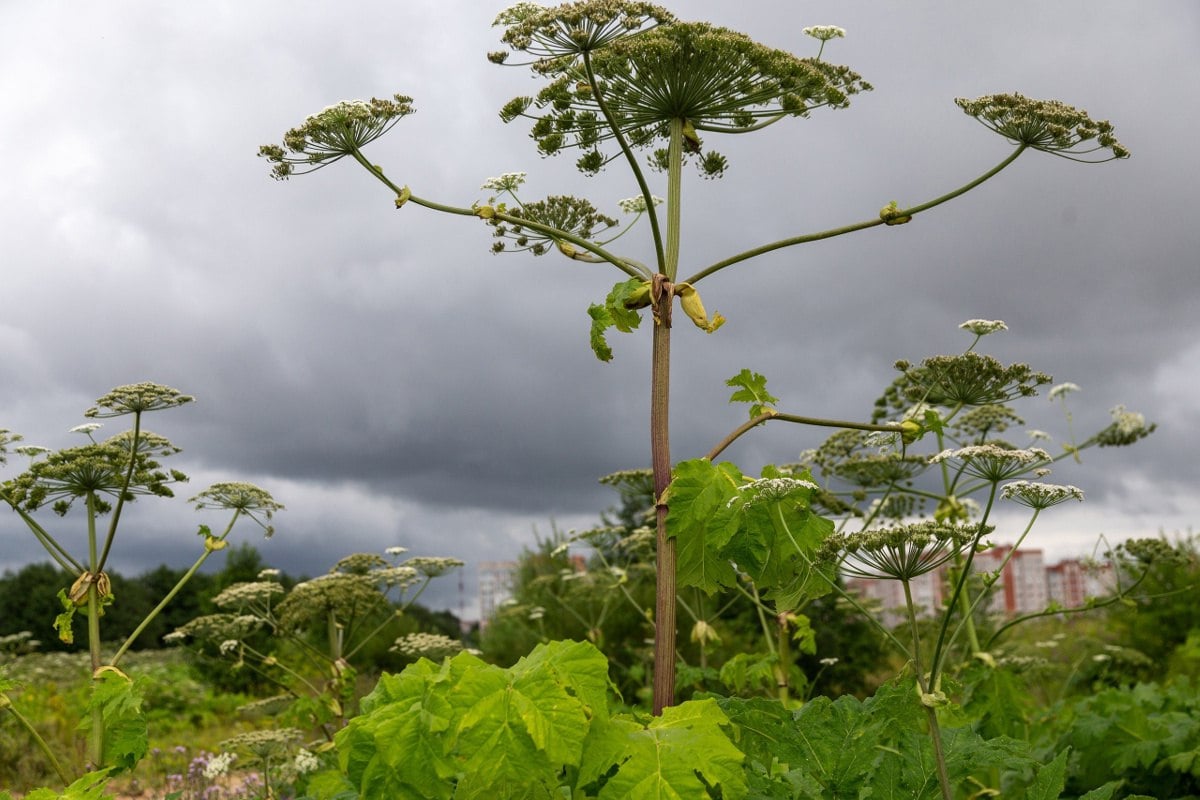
x: 1147, y: 736
x: 751, y: 388
x: 91, y: 786
x: 619, y: 311
x: 720, y: 517
x: 118, y: 701
x: 469, y: 729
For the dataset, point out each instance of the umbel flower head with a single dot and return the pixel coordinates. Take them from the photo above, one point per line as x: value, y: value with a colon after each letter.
x: 556, y: 36
x: 96, y: 469
x: 333, y: 133
x: 562, y: 212
x: 1126, y: 428
x: 994, y: 461
x: 901, y: 552
x: 135, y: 398
x: 245, y: 498
x: 710, y: 79
x: 1046, y: 125
x: 1040, y: 495
x: 968, y: 379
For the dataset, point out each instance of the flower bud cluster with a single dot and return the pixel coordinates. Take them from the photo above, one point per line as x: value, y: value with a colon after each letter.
x: 136, y: 398
x: 1127, y: 427
x: 333, y: 133
x: 565, y: 213
x: 1047, y: 125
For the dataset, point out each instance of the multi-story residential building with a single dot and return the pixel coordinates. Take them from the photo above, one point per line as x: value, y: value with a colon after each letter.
x: 495, y: 586
x: 1024, y: 584
x: 1020, y: 582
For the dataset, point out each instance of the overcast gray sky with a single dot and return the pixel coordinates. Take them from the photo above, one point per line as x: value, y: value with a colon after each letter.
x: 392, y: 382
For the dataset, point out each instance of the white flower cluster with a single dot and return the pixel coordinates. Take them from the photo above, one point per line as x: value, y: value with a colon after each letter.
x: 305, y: 762
x: 1062, y: 390
x: 1127, y: 422
x: 396, y: 551
x: 270, y: 572
x: 825, y: 32
x: 434, y: 646
x: 243, y: 594
x: 992, y: 452
x: 1040, y: 495
x: 637, y: 205
x: 218, y: 765
x: 507, y: 182
x: 396, y: 576
x: 982, y: 327
x: 228, y: 646
x: 432, y: 567
x: 87, y: 427
x: 767, y: 490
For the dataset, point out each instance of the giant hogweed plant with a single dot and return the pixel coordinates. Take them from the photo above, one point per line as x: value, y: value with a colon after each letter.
x: 315, y: 632
x: 98, y: 481
x: 623, y: 79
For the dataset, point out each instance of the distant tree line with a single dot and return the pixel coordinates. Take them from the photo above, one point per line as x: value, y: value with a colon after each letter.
x: 29, y: 601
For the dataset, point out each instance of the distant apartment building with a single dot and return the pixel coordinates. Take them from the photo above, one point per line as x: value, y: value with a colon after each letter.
x: 495, y: 586
x: 1024, y: 584
x: 1071, y: 582
x: 1020, y: 584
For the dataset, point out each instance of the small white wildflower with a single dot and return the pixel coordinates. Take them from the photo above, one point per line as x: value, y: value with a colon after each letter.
x: 1101, y: 657
x: 618, y: 573
x: 268, y: 573
x: 1127, y: 422
x: 637, y: 205
x: 228, y: 646
x: 536, y: 613
x: 828, y: 662
x: 305, y: 762
x: 396, y: 551
x: 825, y: 32
x: 1062, y: 389
x: 562, y: 548
x: 87, y: 427
x: 982, y: 327
x: 31, y: 450
x: 507, y: 182
x: 174, y: 637
x: 218, y: 765
x: 1037, y: 435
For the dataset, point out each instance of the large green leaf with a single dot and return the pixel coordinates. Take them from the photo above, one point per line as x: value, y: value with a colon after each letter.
x: 468, y: 729
x: 751, y: 388
x: 703, y: 518
x: 119, y: 701
x: 682, y: 754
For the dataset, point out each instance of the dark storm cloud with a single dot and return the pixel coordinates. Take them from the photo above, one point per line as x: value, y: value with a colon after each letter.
x: 393, y: 383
